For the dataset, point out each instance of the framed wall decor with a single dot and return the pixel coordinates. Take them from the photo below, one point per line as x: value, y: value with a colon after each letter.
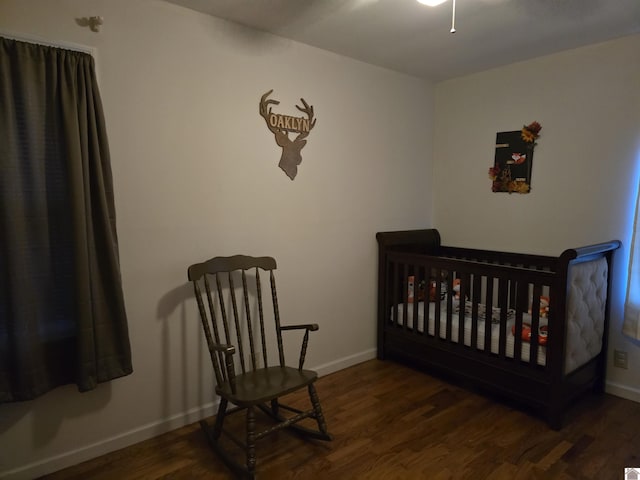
x: 511, y: 171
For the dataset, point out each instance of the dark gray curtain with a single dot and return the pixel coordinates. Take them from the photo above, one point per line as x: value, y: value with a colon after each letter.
x: 62, y: 314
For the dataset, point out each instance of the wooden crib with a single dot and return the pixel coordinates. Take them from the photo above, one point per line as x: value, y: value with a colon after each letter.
x: 530, y: 328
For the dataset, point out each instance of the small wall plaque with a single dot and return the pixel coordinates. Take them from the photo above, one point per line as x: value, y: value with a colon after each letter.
x: 281, y: 125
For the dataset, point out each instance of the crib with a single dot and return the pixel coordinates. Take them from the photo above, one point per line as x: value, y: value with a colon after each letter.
x: 530, y: 329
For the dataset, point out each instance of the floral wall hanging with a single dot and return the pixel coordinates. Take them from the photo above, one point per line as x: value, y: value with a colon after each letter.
x: 511, y: 171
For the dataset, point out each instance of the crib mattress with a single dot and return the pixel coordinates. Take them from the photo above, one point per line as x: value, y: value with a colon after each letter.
x: 480, y: 341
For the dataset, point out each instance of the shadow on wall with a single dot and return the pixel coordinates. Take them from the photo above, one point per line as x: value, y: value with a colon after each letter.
x: 47, y: 413
x: 177, y: 338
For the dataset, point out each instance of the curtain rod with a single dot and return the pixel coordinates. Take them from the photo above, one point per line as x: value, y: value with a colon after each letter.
x: 21, y: 37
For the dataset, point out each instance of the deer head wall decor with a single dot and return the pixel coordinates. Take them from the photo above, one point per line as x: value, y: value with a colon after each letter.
x: 281, y: 125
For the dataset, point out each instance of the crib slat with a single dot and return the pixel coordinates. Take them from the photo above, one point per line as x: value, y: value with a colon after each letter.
x: 513, y: 294
x: 448, y: 279
x: 416, y: 301
x: 535, y: 323
x: 394, y: 293
x: 438, y: 306
x: 522, y: 289
x: 488, y: 326
x: 503, y: 297
x: 477, y: 280
x: 405, y: 295
x: 449, y: 318
x: 464, y: 289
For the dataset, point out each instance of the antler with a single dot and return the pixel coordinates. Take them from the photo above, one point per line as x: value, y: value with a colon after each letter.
x: 308, y: 109
x: 265, y: 109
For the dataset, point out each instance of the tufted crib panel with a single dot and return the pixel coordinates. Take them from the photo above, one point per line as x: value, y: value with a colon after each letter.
x: 586, y: 308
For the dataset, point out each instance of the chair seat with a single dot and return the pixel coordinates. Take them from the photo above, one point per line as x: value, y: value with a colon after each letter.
x: 265, y: 384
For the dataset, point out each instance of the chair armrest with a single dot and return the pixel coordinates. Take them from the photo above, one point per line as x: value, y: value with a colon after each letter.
x: 226, y: 349
x: 230, y: 370
x: 307, y: 326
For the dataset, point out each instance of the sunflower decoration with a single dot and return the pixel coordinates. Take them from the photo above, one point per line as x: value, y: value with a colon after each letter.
x: 531, y: 132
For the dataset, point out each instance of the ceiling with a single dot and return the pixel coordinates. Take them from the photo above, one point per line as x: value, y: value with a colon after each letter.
x: 408, y: 37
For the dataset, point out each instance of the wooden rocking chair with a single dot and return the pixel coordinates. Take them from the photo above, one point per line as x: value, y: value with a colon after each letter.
x: 259, y: 385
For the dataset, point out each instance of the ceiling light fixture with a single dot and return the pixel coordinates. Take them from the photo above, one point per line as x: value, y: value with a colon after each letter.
x: 435, y: 3
x: 453, y: 18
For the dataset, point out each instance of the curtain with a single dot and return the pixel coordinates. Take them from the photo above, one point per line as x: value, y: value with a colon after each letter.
x: 631, y: 323
x: 62, y: 313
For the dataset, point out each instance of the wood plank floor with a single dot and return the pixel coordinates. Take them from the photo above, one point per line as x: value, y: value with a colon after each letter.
x: 393, y: 422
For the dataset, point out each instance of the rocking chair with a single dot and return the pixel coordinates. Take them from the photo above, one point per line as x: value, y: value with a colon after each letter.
x: 258, y: 386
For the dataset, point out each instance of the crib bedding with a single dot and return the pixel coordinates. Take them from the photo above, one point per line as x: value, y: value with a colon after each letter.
x: 467, y: 327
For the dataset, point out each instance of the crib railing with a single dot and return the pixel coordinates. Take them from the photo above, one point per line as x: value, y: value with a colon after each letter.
x: 481, y: 293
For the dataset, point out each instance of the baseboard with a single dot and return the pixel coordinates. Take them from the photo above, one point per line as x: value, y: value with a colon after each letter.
x: 345, y: 362
x: 623, y: 391
x: 145, y: 432
x: 126, y: 439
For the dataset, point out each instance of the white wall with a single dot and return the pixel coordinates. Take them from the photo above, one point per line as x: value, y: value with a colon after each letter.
x: 196, y: 175
x: 585, y: 167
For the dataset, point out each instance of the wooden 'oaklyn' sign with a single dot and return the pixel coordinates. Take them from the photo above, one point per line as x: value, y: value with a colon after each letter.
x: 281, y: 125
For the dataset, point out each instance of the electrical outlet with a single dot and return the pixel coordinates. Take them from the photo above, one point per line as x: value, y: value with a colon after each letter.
x: 620, y: 359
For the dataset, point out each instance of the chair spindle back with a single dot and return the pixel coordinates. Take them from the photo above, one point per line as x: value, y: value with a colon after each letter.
x: 223, y: 314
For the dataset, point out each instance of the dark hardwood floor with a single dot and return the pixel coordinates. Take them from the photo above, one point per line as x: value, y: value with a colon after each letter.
x: 393, y: 422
